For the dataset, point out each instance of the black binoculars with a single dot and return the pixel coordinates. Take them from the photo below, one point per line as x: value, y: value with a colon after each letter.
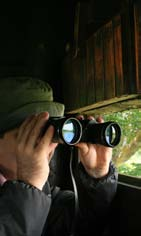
x: 70, y: 131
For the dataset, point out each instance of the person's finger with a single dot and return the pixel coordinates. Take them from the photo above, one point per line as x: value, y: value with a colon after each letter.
x: 80, y: 117
x: 24, y: 128
x: 99, y: 119
x: 83, y: 148
x: 46, y: 140
x: 91, y: 118
x: 36, y: 129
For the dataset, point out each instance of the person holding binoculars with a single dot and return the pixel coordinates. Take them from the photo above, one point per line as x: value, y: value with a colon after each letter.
x: 28, y: 204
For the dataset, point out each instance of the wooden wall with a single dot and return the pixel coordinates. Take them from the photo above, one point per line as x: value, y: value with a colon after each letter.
x: 137, y: 18
x: 107, y: 63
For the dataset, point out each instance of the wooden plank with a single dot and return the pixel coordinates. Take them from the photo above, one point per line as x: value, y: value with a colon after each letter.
x: 82, y: 83
x: 109, y: 66
x: 83, y: 21
x: 79, y: 87
x: 137, y: 20
x: 116, y: 107
x: 90, y: 83
x: 99, y: 65
x: 128, y: 46
x: 105, y: 103
x: 118, y: 56
x: 67, y: 80
x: 74, y: 80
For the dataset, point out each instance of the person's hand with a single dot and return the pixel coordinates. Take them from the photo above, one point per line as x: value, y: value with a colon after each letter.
x: 34, y: 152
x: 95, y: 157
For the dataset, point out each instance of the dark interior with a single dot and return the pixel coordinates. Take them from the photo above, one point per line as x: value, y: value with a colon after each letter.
x: 34, y: 40
x: 34, y: 37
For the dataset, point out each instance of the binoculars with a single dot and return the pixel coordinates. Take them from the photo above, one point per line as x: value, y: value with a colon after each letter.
x: 71, y: 131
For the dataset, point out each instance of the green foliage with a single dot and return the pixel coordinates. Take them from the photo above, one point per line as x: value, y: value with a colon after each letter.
x: 130, y: 123
x: 132, y: 166
x: 132, y: 170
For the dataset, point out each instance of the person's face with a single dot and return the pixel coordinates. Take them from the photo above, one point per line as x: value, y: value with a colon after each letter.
x: 8, y: 165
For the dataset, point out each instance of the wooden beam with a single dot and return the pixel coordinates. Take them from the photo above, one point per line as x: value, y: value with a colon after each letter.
x: 110, y: 105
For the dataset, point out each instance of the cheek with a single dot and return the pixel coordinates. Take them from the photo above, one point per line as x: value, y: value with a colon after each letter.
x: 9, y: 154
x: 10, y: 149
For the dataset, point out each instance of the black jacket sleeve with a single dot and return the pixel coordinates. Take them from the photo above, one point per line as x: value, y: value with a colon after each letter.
x: 95, y: 198
x: 23, y: 209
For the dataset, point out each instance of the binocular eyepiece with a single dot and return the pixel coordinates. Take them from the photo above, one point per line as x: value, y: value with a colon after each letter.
x: 70, y: 131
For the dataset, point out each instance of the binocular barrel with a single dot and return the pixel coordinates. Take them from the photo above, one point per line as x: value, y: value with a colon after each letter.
x: 70, y: 131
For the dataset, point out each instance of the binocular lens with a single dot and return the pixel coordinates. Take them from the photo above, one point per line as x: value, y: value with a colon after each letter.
x: 112, y: 134
x: 71, y: 131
